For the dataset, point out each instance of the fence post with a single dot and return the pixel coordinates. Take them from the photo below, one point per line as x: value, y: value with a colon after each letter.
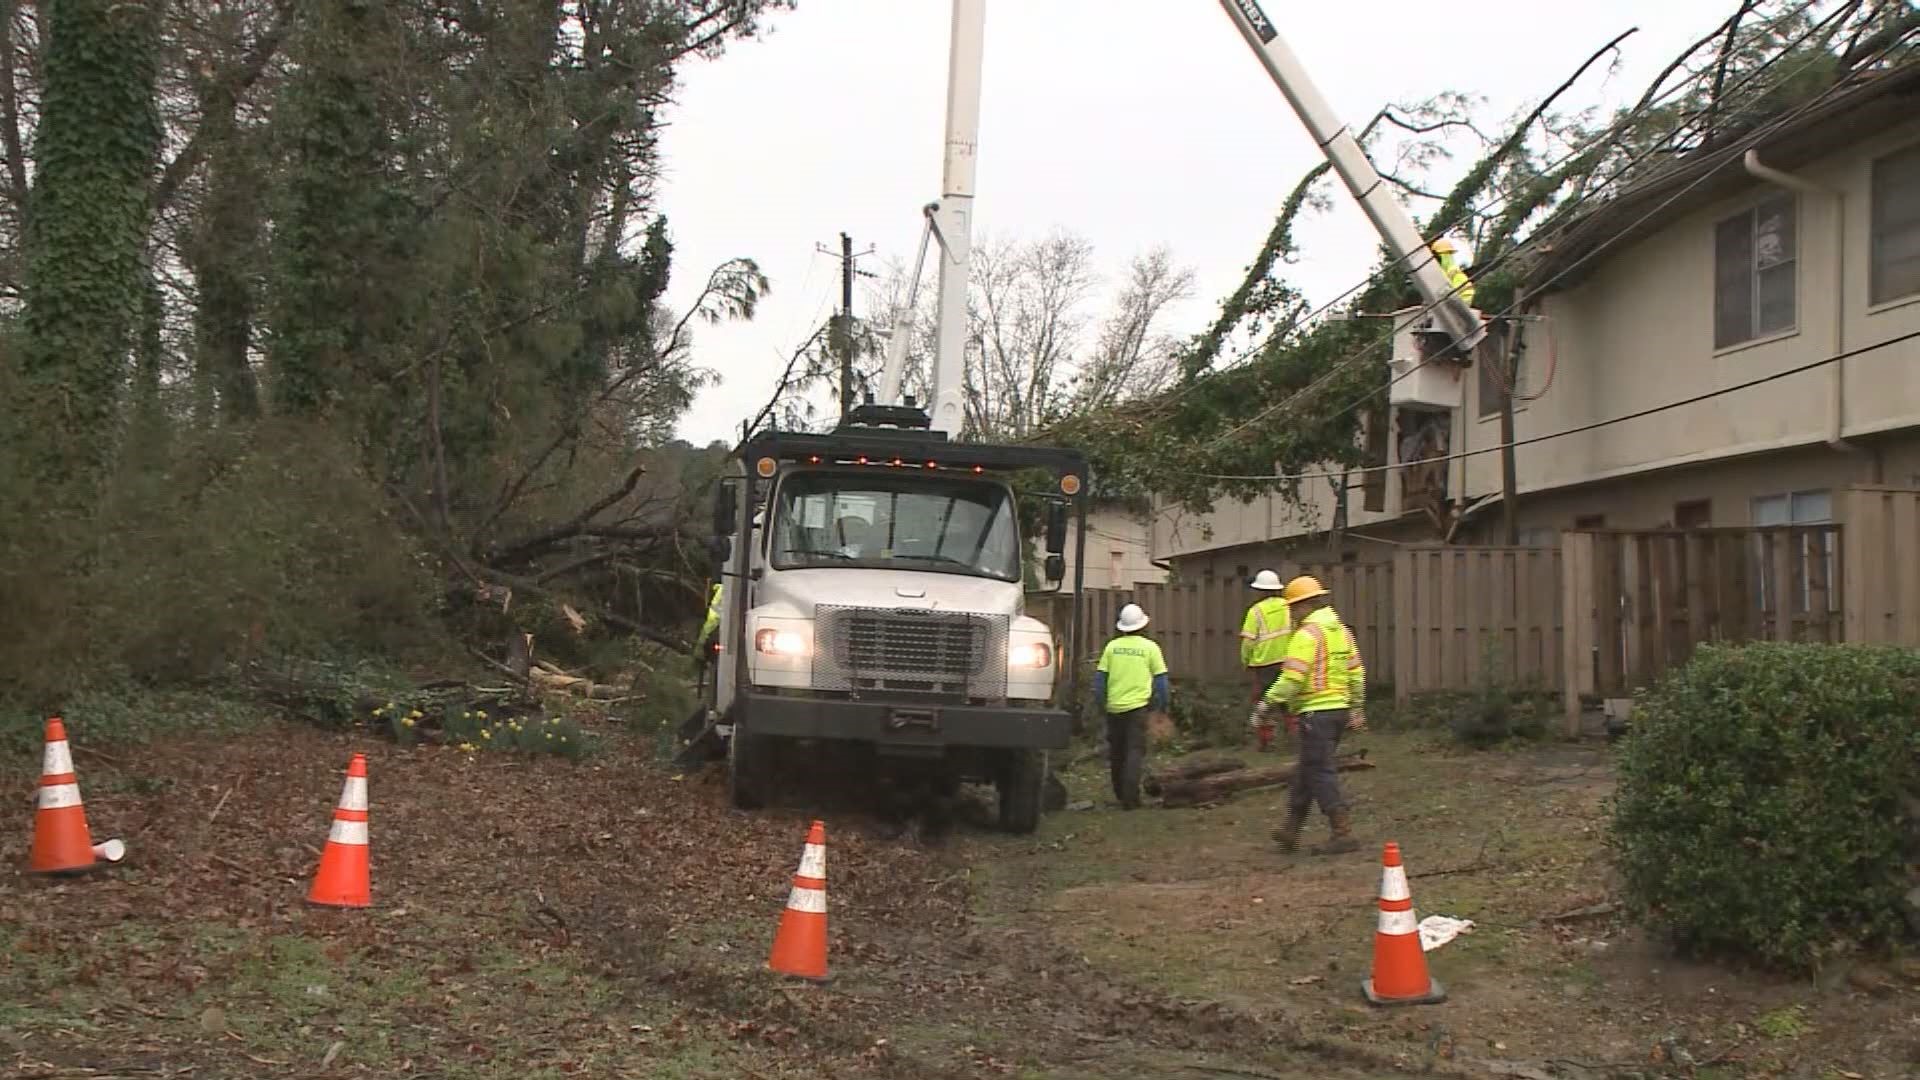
x: 1403, y: 639
x: 1578, y: 610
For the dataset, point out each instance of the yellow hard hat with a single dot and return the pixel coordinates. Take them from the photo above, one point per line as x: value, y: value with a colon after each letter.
x: 1442, y: 246
x: 1302, y: 588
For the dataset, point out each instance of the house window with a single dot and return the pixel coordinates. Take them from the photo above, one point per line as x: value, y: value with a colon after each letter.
x: 1114, y: 559
x: 1590, y: 521
x: 1896, y: 226
x: 1799, y: 508
x: 1796, y: 508
x: 1538, y: 538
x: 1693, y: 514
x: 1755, y: 258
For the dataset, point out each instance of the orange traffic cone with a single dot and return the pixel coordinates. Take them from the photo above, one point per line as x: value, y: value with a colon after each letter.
x: 1399, y: 964
x: 343, y: 878
x: 61, y: 842
x: 800, y: 945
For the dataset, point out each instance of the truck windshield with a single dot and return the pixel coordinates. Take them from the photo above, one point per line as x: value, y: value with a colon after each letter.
x: 900, y: 521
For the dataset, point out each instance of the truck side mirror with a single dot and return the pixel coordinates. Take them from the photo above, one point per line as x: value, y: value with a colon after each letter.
x: 1056, y: 529
x: 1056, y: 568
x: 720, y: 548
x: 726, y: 509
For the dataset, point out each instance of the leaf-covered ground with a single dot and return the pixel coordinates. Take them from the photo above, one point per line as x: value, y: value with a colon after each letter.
x: 536, y: 917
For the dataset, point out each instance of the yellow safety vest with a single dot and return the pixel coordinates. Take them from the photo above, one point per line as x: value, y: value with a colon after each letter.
x: 1323, y: 669
x: 1264, y: 633
x: 713, y: 612
x: 1456, y: 277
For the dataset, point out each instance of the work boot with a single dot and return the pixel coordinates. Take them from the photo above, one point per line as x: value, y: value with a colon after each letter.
x: 1341, y: 841
x: 1287, y: 836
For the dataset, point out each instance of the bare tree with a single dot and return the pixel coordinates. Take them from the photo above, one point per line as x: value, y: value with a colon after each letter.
x: 1132, y: 356
x: 1026, y: 324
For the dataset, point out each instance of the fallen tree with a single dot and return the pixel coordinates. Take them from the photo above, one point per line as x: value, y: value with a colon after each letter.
x: 1217, y: 786
x: 1189, y: 768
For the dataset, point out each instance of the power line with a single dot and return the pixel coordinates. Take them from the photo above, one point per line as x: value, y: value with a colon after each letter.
x: 1582, y: 428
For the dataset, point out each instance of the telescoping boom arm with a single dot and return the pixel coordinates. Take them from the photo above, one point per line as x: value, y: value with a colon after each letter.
x: 1344, y: 153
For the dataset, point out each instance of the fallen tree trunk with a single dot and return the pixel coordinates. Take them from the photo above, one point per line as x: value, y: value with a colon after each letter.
x: 1190, y: 768
x: 1218, y: 786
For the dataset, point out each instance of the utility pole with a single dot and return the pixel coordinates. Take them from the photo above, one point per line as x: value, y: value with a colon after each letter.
x: 842, y: 334
x: 1509, y: 367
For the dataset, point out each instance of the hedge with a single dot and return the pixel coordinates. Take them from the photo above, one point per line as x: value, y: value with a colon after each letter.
x: 1765, y: 800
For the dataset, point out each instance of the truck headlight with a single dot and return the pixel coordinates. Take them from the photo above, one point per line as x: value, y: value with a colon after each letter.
x: 1032, y: 655
x: 780, y: 643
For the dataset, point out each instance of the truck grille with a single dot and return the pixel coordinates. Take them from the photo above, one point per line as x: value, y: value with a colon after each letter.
x: 929, y: 652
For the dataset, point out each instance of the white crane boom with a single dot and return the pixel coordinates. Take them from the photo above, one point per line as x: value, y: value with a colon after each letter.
x: 953, y: 221
x: 1461, y: 323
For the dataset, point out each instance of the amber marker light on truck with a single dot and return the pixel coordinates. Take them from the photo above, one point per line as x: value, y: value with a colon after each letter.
x: 1070, y: 484
x: 765, y: 467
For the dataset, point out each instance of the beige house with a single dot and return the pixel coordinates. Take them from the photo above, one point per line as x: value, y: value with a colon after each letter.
x: 1728, y: 268
x: 1119, y: 551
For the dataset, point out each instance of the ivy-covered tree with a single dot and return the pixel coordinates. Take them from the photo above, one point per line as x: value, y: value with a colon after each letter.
x: 86, y: 282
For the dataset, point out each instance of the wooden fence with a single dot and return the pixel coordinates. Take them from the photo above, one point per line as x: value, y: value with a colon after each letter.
x: 1608, y: 612
x: 1645, y: 600
x: 1881, y: 553
x: 1433, y: 618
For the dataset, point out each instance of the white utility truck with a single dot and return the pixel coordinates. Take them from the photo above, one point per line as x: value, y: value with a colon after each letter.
x: 875, y: 597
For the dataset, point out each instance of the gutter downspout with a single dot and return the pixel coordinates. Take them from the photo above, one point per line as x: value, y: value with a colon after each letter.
x: 1837, y: 383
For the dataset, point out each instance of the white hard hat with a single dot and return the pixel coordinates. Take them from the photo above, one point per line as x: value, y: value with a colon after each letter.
x: 1267, y: 581
x: 1131, y: 619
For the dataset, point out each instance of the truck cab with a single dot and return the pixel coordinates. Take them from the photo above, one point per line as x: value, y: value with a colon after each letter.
x: 877, y: 597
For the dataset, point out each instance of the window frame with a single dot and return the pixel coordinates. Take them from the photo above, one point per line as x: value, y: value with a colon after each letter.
x: 1875, y: 296
x: 1755, y: 333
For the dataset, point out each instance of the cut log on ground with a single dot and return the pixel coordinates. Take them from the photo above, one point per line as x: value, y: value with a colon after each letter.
x: 1218, y: 786
x: 1189, y: 768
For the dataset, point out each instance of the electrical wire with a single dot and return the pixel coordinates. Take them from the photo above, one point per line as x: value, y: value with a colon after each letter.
x: 1727, y: 154
x: 1594, y: 425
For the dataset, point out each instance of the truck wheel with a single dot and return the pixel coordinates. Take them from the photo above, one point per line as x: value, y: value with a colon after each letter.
x: 744, y: 771
x: 1022, y: 786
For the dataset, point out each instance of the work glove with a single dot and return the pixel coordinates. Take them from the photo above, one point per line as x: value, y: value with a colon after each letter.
x: 1356, y: 719
x: 1258, y: 717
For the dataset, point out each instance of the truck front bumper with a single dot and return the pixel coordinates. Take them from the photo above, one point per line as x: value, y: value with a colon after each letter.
x: 907, y: 725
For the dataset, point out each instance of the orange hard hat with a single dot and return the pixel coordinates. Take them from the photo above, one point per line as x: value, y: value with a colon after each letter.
x: 1301, y: 588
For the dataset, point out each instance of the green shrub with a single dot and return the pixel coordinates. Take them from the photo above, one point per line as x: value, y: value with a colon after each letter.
x: 1497, y: 708
x: 1761, y: 807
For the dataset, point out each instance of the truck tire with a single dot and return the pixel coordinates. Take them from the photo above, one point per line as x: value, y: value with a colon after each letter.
x: 1022, y: 787
x: 746, y: 785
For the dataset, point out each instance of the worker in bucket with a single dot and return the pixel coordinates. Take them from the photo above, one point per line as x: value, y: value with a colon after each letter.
x: 1324, y: 680
x: 1129, y: 684
x: 1453, y: 257
x: 1263, y: 644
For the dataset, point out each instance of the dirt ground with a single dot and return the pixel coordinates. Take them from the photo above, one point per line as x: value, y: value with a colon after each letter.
x: 607, y: 918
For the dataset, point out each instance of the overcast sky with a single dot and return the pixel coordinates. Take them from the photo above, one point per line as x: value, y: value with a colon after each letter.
x: 1132, y: 122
